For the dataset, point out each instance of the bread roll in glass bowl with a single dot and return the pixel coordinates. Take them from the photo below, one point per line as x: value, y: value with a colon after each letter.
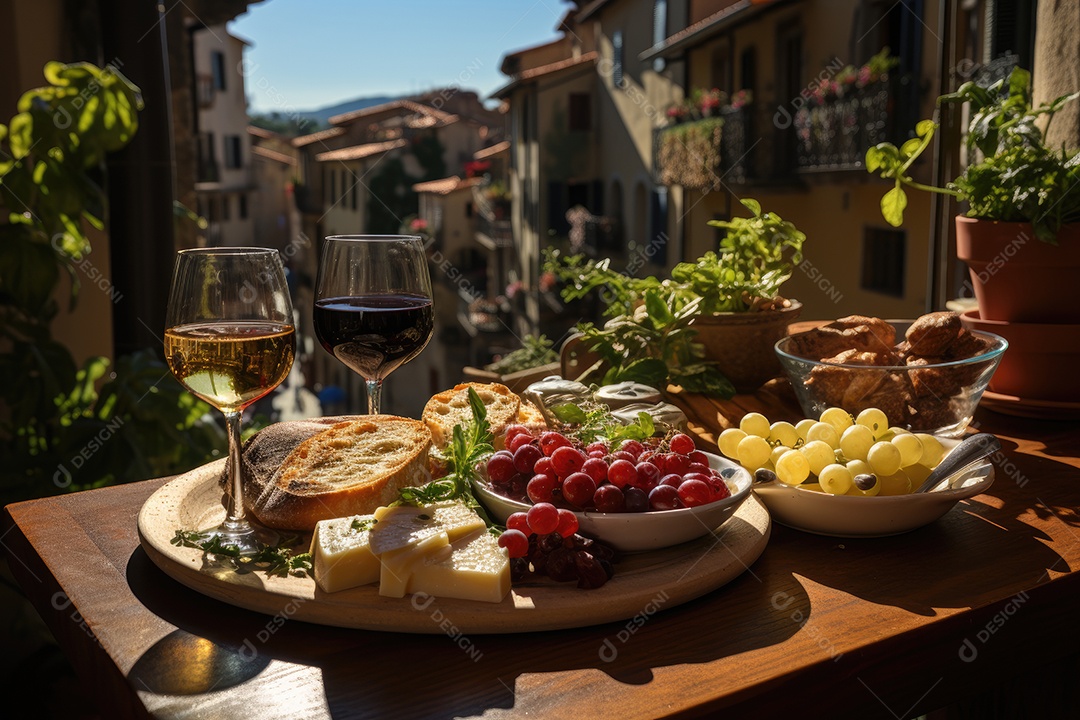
x: 921, y: 392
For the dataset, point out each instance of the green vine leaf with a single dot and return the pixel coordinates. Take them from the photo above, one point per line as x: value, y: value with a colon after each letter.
x: 893, y: 204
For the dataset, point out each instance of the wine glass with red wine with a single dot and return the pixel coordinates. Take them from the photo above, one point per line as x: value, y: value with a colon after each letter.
x: 373, y: 305
x: 230, y: 340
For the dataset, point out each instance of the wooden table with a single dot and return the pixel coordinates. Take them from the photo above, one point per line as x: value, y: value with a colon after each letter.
x: 886, y: 628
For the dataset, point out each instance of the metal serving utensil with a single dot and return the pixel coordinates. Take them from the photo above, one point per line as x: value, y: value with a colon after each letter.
x: 972, y: 450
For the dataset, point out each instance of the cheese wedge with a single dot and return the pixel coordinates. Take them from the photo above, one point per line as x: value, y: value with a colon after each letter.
x: 341, y: 553
x: 383, y: 546
x: 405, y: 526
x: 476, y: 569
x: 397, y: 566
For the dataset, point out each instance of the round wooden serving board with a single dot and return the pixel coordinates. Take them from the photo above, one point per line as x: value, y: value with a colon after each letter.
x: 643, y: 582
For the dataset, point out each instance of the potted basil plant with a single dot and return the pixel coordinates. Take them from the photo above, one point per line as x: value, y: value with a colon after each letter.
x: 1020, y: 235
x: 711, y: 327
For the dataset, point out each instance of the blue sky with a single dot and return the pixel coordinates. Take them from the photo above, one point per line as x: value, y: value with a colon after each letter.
x: 307, y: 54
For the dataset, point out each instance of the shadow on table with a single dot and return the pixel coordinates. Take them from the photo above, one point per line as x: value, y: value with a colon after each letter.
x: 453, y: 674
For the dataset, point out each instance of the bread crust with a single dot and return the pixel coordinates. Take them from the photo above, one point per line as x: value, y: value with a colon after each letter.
x: 451, y: 407
x: 300, y: 473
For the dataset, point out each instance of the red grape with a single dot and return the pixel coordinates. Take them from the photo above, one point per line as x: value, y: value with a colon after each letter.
x: 621, y: 473
x: 677, y: 464
x: 551, y: 441
x: 633, y: 447
x: 595, y: 468
x: 596, y: 454
x: 520, y: 440
x: 525, y: 458
x: 500, y: 468
x: 597, y: 445
x: 648, y: 475
x: 578, y: 489
x: 567, y: 461
x: 518, y: 521
x: 682, y: 444
x: 623, y: 455
x: 568, y: 523
x: 702, y: 477
x: 515, y: 542
x: 648, y: 456
x: 636, y: 499
x: 695, y: 492
x: 609, y: 498
x: 699, y: 468
x: 663, y: 497
x: 720, y: 489
x: 672, y: 479
x: 540, y: 488
x: 699, y: 457
x: 513, y: 431
x: 543, y: 467
x: 543, y: 518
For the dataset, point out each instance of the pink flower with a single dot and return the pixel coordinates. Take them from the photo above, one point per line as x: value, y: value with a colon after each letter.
x: 418, y: 225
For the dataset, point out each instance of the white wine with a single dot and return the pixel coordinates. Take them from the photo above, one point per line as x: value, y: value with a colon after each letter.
x: 230, y: 364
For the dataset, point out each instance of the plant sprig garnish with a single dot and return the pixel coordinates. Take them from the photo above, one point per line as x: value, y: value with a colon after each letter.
x: 468, y: 446
x: 277, y: 560
x: 597, y: 422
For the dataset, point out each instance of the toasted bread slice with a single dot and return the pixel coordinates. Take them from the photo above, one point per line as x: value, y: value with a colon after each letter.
x: 451, y: 407
x: 301, y: 473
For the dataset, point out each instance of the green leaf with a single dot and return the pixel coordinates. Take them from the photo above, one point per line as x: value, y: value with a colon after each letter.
x: 752, y: 205
x: 569, y: 413
x: 924, y: 128
x: 647, y: 371
x: 657, y: 309
x: 893, y: 204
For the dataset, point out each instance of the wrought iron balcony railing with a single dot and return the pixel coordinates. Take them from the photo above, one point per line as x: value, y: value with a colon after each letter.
x: 708, y: 153
x: 835, y: 132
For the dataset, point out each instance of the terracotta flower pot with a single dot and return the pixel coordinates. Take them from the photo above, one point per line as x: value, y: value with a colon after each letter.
x: 742, y: 343
x: 1016, y: 276
x: 1041, y: 361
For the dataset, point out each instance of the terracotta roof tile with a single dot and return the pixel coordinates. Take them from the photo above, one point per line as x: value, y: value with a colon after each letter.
x: 359, y: 152
x: 273, y: 155
x: 406, y: 105
x: 317, y: 136
x: 445, y: 186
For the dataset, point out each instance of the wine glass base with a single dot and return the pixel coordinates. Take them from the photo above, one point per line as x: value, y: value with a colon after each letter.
x: 249, y: 538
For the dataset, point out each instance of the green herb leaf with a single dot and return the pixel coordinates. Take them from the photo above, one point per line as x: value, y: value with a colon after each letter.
x: 893, y: 204
x: 569, y: 413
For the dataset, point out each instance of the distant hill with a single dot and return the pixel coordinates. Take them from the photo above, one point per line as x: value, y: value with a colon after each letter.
x: 309, y: 121
x: 323, y: 115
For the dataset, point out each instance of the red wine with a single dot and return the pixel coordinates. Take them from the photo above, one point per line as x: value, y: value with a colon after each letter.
x: 374, y: 334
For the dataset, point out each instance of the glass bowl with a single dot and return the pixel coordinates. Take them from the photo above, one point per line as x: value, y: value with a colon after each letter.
x: 641, y: 531
x: 937, y: 398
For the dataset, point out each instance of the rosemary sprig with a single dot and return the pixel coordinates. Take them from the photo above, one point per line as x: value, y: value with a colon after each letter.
x: 277, y: 560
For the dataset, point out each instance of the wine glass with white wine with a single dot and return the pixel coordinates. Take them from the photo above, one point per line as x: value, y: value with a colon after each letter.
x: 230, y: 340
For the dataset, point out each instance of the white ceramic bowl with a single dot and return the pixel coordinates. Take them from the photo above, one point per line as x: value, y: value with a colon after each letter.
x: 638, y: 532
x: 849, y: 516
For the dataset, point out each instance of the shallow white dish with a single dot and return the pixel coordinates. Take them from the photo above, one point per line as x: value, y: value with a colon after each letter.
x: 638, y: 532
x: 849, y: 516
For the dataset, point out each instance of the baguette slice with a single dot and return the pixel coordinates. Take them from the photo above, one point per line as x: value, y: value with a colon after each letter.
x: 451, y: 407
x: 303, y: 472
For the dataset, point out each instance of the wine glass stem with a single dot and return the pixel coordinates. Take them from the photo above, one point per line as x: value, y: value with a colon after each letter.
x: 374, y: 396
x: 235, y: 516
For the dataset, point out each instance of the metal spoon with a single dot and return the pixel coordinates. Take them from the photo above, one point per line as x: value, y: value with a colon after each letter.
x: 967, y: 453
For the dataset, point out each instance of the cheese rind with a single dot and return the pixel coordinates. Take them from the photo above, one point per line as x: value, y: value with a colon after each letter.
x: 341, y: 554
x: 476, y: 569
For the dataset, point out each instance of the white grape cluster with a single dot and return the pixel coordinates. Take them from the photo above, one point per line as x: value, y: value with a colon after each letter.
x: 848, y: 456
